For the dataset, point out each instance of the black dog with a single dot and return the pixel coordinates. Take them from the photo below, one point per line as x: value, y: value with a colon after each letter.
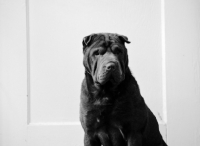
x: 112, y: 110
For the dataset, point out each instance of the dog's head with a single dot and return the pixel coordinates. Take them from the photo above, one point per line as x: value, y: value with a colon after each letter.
x: 105, y: 57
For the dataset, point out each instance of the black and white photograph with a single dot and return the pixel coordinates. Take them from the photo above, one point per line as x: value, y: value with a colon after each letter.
x: 100, y: 73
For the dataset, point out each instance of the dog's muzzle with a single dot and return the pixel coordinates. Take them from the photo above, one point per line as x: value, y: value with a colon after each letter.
x: 110, y: 71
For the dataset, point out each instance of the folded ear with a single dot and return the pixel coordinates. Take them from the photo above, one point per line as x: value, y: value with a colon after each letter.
x: 124, y: 39
x: 87, y: 40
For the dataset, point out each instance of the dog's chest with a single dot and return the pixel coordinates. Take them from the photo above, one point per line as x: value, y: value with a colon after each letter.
x: 103, y: 102
x: 104, y: 109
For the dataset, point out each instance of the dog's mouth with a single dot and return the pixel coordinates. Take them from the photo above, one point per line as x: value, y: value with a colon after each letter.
x: 109, y: 83
x: 110, y: 78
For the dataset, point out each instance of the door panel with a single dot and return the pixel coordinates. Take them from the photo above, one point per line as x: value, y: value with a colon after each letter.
x: 56, y: 32
x: 57, y: 134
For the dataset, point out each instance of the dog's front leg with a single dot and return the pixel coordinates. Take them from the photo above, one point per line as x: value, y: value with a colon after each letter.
x: 91, y: 141
x: 135, y: 139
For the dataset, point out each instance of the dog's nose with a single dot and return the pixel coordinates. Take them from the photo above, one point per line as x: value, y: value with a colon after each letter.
x: 110, y: 66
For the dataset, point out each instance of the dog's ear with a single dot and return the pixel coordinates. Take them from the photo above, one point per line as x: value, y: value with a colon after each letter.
x: 124, y: 39
x: 86, y: 40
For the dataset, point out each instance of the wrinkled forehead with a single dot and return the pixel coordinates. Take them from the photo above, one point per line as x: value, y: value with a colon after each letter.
x: 105, y: 40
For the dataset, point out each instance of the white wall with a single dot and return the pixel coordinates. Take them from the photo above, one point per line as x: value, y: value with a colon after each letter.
x: 183, y: 71
x: 13, y: 73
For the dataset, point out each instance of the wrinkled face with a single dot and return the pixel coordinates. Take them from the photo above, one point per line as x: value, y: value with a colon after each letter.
x: 105, y: 58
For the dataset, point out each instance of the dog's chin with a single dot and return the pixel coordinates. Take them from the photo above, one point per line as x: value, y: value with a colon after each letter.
x: 110, y: 82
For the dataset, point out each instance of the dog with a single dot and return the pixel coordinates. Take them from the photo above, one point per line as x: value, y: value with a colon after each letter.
x: 112, y: 110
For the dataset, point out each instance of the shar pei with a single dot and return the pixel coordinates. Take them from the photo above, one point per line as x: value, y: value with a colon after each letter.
x: 112, y: 110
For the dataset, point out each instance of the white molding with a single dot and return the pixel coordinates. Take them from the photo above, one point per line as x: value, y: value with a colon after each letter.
x: 55, y: 124
x: 68, y: 123
x: 28, y: 61
x: 164, y: 96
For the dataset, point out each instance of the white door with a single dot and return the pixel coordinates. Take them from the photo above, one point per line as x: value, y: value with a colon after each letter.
x: 56, y: 29
x: 41, y: 65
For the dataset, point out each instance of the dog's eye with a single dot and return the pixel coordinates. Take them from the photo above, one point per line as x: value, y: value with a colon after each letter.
x: 117, y: 50
x: 96, y: 52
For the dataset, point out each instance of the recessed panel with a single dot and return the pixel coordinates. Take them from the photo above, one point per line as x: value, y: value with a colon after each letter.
x: 56, y: 71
